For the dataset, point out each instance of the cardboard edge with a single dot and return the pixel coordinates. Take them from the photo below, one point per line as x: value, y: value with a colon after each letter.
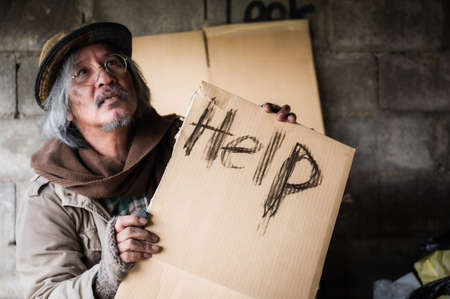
x: 157, y: 260
x: 214, y: 31
x: 206, y: 86
x: 327, y: 238
x: 139, y: 37
x: 316, y: 86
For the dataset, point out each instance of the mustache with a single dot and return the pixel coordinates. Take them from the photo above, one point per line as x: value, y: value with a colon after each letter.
x: 109, y: 92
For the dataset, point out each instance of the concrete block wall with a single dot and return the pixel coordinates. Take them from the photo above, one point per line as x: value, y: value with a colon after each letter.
x: 382, y: 70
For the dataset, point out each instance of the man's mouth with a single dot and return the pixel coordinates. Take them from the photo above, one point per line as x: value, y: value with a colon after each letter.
x: 109, y: 93
x: 104, y: 99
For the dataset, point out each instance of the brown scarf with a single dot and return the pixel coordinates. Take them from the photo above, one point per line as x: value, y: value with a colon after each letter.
x: 87, y: 172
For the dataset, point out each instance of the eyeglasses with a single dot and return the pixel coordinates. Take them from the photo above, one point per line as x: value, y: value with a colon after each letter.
x: 87, y: 74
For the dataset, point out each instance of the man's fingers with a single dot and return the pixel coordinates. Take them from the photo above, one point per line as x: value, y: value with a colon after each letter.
x: 283, y: 112
x: 130, y: 220
x: 285, y: 115
x: 140, y: 252
x: 133, y: 257
x: 285, y: 108
x: 266, y: 107
x: 292, y: 118
x: 271, y: 108
x: 136, y: 233
x: 138, y: 246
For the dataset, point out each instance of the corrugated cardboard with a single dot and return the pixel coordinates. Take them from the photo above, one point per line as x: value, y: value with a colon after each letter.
x: 246, y: 207
x: 262, y: 62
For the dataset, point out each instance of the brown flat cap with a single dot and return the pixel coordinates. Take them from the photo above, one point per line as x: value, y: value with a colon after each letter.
x: 56, y: 49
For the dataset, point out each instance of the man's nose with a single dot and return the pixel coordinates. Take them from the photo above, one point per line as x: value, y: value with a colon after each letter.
x: 104, y: 78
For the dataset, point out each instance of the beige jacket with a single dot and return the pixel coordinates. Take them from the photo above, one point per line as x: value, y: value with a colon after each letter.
x: 58, y: 241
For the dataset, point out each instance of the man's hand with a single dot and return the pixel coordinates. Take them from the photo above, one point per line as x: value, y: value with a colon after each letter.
x: 283, y: 112
x: 134, y: 242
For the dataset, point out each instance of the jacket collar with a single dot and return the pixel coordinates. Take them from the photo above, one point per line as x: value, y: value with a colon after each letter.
x: 73, y: 199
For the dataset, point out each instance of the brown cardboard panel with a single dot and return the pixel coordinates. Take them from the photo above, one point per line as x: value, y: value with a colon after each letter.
x: 246, y: 207
x: 173, y: 65
x: 261, y: 61
x: 267, y: 61
x: 167, y: 281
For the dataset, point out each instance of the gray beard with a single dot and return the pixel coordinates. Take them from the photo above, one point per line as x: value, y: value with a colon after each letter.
x: 120, y: 121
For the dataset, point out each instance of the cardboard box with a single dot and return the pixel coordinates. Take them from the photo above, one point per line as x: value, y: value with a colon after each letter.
x: 246, y: 206
x: 261, y: 62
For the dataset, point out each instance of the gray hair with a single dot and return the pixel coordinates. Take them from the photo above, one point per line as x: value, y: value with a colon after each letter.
x: 57, y: 104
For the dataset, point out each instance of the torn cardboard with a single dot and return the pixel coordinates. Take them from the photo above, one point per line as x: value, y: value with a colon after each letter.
x: 246, y: 206
x: 262, y: 62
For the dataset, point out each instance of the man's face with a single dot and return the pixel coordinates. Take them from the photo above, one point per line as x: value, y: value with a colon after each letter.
x: 110, y: 98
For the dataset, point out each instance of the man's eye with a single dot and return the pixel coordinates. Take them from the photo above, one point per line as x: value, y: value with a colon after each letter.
x: 82, y: 72
x: 112, y: 62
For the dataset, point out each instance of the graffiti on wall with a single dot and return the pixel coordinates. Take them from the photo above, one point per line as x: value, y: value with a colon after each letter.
x: 258, y: 11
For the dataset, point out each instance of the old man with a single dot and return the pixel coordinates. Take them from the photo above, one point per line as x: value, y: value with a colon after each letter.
x: 80, y: 228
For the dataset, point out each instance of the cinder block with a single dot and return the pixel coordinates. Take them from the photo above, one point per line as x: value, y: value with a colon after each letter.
x: 26, y: 25
x: 152, y: 17
x: 414, y: 204
x: 318, y: 23
x: 362, y: 134
x: 18, y: 140
x: 347, y: 84
x: 441, y: 143
x: 218, y: 12
x: 8, y: 212
x: 446, y: 130
x: 25, y: 79
x: 405, y: 145
x: 10, y: 286
x: 7, y: 85
x: 372, y: 25
x: 358, y: 215
x: 21, y: 188
x: 221, y: 12
x: 415, y: 82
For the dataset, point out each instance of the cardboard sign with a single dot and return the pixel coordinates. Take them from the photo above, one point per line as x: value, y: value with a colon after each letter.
x: 246, y: 206
x: 262, y: 62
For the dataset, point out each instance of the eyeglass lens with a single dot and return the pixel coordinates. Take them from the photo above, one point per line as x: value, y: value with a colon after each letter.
x: 86, y: 73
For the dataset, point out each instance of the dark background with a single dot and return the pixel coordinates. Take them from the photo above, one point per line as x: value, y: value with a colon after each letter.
x: 383, y: 74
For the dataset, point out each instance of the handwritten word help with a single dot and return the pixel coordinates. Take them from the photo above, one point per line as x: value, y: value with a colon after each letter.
x: 221, y: 145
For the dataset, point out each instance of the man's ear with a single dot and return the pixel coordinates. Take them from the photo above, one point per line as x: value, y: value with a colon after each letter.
x: 69, y: 115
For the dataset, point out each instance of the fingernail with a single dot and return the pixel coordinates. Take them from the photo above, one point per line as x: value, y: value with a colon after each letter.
x: 143, y: 220
x: 155, y: 247
x: 147, y: 255
x: 155, y: 238
x: 275, y: 108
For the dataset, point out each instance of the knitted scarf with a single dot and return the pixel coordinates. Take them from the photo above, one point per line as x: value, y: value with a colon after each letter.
x: 87, y: 172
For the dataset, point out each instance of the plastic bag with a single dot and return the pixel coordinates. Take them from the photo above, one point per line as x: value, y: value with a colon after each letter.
x: 434, y: 266
x: 399, y: 289
x: 433, y: 290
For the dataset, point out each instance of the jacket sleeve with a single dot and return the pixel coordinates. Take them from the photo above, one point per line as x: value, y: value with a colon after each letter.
x: 49, y: 254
